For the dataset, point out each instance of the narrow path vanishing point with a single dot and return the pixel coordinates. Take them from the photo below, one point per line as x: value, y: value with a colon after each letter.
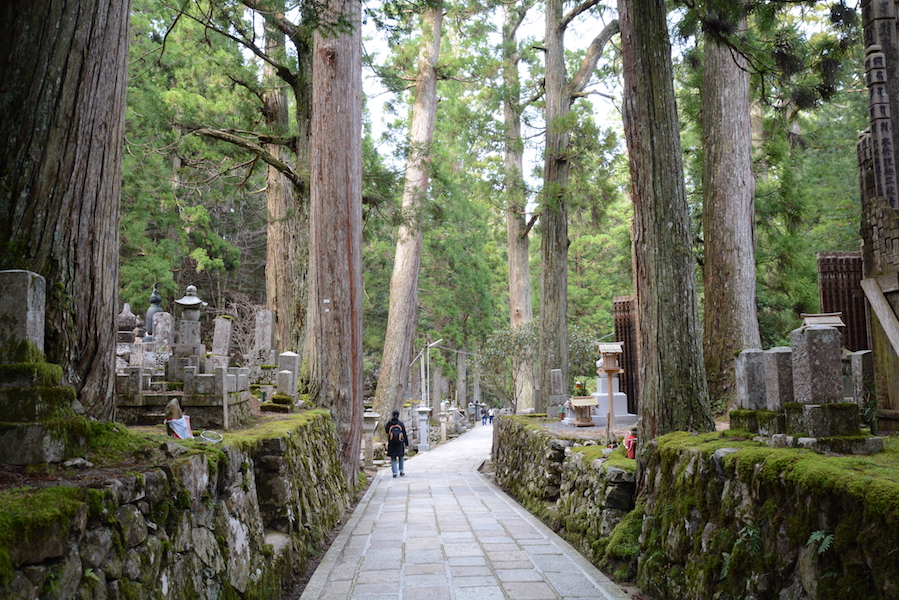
x: 445, y: 532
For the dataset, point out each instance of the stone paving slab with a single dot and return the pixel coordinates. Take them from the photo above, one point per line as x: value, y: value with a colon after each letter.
x: 445, y: 532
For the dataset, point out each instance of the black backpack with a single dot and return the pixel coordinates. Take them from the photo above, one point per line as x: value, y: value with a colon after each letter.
x: 395, y: 433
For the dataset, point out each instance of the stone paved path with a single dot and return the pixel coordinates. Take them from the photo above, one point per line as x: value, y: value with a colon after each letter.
x: 444, y: 532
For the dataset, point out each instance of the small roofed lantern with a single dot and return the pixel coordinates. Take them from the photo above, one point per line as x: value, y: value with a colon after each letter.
x: 608, y: 363
x: 828, y: 319
x: 191, y: 306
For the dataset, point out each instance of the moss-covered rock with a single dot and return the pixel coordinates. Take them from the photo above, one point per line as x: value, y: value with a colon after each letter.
x: 730, y: 518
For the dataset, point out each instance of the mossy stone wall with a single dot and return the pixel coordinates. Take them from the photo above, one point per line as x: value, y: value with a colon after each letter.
x: 236, y: 520
x: 719, y: 515
x: 577, y: 487
x: 727, y: 517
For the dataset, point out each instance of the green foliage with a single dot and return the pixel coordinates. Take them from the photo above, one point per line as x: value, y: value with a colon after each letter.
x: 189, y: 211
x: 821, y: 540
x: 495, y: 357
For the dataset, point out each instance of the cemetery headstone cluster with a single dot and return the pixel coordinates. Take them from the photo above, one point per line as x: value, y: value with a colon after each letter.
x: 797, y: 396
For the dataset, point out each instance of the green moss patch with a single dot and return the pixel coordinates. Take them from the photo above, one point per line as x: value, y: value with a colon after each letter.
x: 37, y: 373
x: 31, y: 520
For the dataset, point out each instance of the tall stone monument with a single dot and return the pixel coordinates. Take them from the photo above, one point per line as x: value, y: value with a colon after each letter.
x: 31, y: 390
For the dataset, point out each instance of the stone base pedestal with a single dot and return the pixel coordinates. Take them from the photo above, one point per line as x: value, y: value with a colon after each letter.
x: 829, y: 445
x: 30, y: 444
x: 822, y: 420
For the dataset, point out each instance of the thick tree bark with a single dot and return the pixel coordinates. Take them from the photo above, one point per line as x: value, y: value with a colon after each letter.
x: 334, y: 349
x: 560, y: 94
x: 283, y: 225
x: 401, y: 317
x: 518, y: 242
x: 673, y: 393
x: 62, y: 100
x: 553, y: 344
x: 730, y: 312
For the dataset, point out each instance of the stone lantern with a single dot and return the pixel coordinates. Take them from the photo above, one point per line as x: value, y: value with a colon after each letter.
x: 608, y: 364
x: 155, y: 302
x: 191, y: 306
x: 369, y: 425
x: 423, y: 413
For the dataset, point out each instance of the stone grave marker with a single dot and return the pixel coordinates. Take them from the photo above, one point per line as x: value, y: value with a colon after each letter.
x: 22, y: 302
x: 750, y: 377
x: 221, y: 342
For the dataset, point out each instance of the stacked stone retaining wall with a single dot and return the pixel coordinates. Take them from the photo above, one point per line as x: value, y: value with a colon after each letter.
x: 221, y: 522
x: 719, y: 515
x: 574, y: 485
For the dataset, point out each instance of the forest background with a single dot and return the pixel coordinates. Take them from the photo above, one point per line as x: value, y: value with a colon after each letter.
x: 194, y: 193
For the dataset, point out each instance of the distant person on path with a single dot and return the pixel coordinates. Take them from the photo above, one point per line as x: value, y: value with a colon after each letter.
x: 397, y: 441
x: 483, y: 416
x: 490, y: 415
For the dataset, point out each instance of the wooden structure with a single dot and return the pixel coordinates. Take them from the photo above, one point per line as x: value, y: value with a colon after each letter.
x: 609, y: 365
x: 626, y: 332
x: 840, y: 291
x: 880, y: 200
x: 583, y: 410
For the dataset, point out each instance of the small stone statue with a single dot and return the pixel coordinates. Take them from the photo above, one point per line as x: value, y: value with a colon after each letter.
x: 173, y: 410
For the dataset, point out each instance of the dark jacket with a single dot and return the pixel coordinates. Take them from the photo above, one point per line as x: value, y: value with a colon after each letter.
x: 396, y: 447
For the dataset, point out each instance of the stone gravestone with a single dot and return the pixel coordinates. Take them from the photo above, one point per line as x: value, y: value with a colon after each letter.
x: 750, y: 375
x: 290, y: 361
x: 264, y: 341
x: 778, y: 377
x: 158, y: 349
x: 862, y: 375
x: 22, y: 299
x: 30, y: 389
x: 557, y: 395
x: 221, y: 342
x: 126, y: 323
x: 818, y: 385
x: 817, y: 364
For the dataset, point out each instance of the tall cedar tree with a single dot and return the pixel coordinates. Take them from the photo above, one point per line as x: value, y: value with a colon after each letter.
x: 334, y: 348
x: 673, y: 392
x: 517, y: 227
x: 402, y: 315
x: 63, y: 68
x: 560, y: 93
x: 730, y: 316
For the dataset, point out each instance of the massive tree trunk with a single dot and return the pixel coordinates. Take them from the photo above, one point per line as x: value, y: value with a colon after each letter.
x: 518, y: 243
x: 673, y: 393
x: 281, y: 270
x: 334, y: 349
x: 62, y: 101
x: 401, y: 317
x: 728, y: 218
x: 553, y: 344
x: 560, y: 94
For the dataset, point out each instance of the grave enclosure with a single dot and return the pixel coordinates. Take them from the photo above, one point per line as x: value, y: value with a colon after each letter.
x: 796, y: 397
x: 171, y: 363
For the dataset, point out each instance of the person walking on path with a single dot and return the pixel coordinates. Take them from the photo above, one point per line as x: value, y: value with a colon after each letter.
x: 397, y: 441
x: 483, y: 416
x: 490, y: 415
